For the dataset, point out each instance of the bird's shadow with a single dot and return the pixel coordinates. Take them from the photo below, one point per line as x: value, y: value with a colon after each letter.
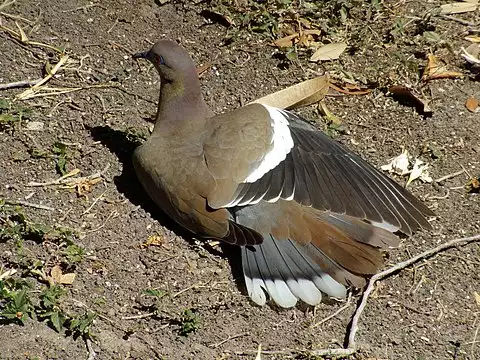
x: 122, y: 144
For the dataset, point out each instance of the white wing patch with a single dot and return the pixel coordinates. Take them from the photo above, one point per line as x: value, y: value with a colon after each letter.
x: 282, y: 144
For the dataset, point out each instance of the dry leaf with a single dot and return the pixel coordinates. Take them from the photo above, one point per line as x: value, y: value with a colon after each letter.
x: 458, y: 7
x: 304, y: 38
x: 434, y: 70
x: 471, y: 53
x: 350, y: 89
x: 473, y: 185
x: 34, y: 126
x: 408, y: 95
x: 302, y: 94
x: 329, y: 52
x: 217, y: 17
x: 477, y: 297
x: 398, y: 165
x: 259, y: 352
x: 472, y: 38
x: 419, y: 171
x: 153, y: 240
x: 286, y: 41
x: 472, y: 105
x: 58, y: 277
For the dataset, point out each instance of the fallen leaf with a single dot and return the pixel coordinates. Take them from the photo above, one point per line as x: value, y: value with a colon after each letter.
x: 329, y: 52
x: 350, y: 89
x: 477, y: 297
x: 34, y: 126
x: 472, y: 38
x: 305, y: 38
x: 407, y: 95
x: 472, y: 105
x: 217, y: 17
x: 259, y: 352
x: 473, y: 185
x: 286, y: 41
x: 303, y: 94
x: 458, y: 7
x: 434, y: 70
x: 59, y: 277
x: 153, y: 240
x: 419, y: 171
x: 471, y: 53
x: 398, y: 165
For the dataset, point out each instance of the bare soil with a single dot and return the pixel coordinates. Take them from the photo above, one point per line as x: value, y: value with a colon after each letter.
x: 424, y: 312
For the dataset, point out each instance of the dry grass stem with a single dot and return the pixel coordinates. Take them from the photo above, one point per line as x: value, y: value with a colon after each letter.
x: 449, y: 176
x: 29, y: 204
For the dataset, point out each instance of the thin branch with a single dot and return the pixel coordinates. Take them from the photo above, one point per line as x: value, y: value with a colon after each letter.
x: 449, y: 176
x: 461, y: 21
x: 91, y: 353
x: 346, y: 306
x: 402, y: 265
x: 6, y: 3
x: 29, y: 204
x: 216, y: 345
x: 141, y: 316
x: 66, y: 179
x: 19, y: 84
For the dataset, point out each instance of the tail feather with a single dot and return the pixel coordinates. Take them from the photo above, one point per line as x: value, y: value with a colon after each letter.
x: 322, y: 253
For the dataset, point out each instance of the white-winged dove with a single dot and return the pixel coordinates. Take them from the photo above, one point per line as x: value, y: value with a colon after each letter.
x: 310, y: 216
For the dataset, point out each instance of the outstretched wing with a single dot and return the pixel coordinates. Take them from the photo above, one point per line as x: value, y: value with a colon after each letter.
x: 280, y: 156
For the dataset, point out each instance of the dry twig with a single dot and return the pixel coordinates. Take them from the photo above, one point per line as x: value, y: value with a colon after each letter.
x: 449, y: 176
x: 19, y: 84
x: 29, y: 204
x: 402, y: 265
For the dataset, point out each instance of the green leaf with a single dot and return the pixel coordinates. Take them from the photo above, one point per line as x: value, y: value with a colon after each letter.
x: 57, y: 321
x: 4, y: 104
x: 155, y: 292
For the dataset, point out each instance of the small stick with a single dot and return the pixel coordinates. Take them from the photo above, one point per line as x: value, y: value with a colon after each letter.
x: 135, y: 317
x: 214, y: 346
x: 449, y: 176
x: 19, y: 84
x: 6, y: 4
x: 91, y: 353
x: 94, y: 202
x: 335, y: 313
x: 65, y: 179
x: 29, y: 204
x: 461, y: 21
x: 56, y: 181
x: 402, y: 265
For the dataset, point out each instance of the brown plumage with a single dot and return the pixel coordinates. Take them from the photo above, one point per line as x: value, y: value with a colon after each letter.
x: 310, y: 216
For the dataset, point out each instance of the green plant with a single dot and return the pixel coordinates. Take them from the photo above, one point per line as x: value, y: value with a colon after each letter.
x: 49, y: 309
x: 60, y: 150
x: 82, y: 325
x: 11, y: 115
x: 189, y: 322
x: 74, y: 253
x: 15, y: 304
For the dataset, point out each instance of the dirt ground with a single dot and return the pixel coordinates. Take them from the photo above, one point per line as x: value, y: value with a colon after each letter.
x: 428, y: 311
